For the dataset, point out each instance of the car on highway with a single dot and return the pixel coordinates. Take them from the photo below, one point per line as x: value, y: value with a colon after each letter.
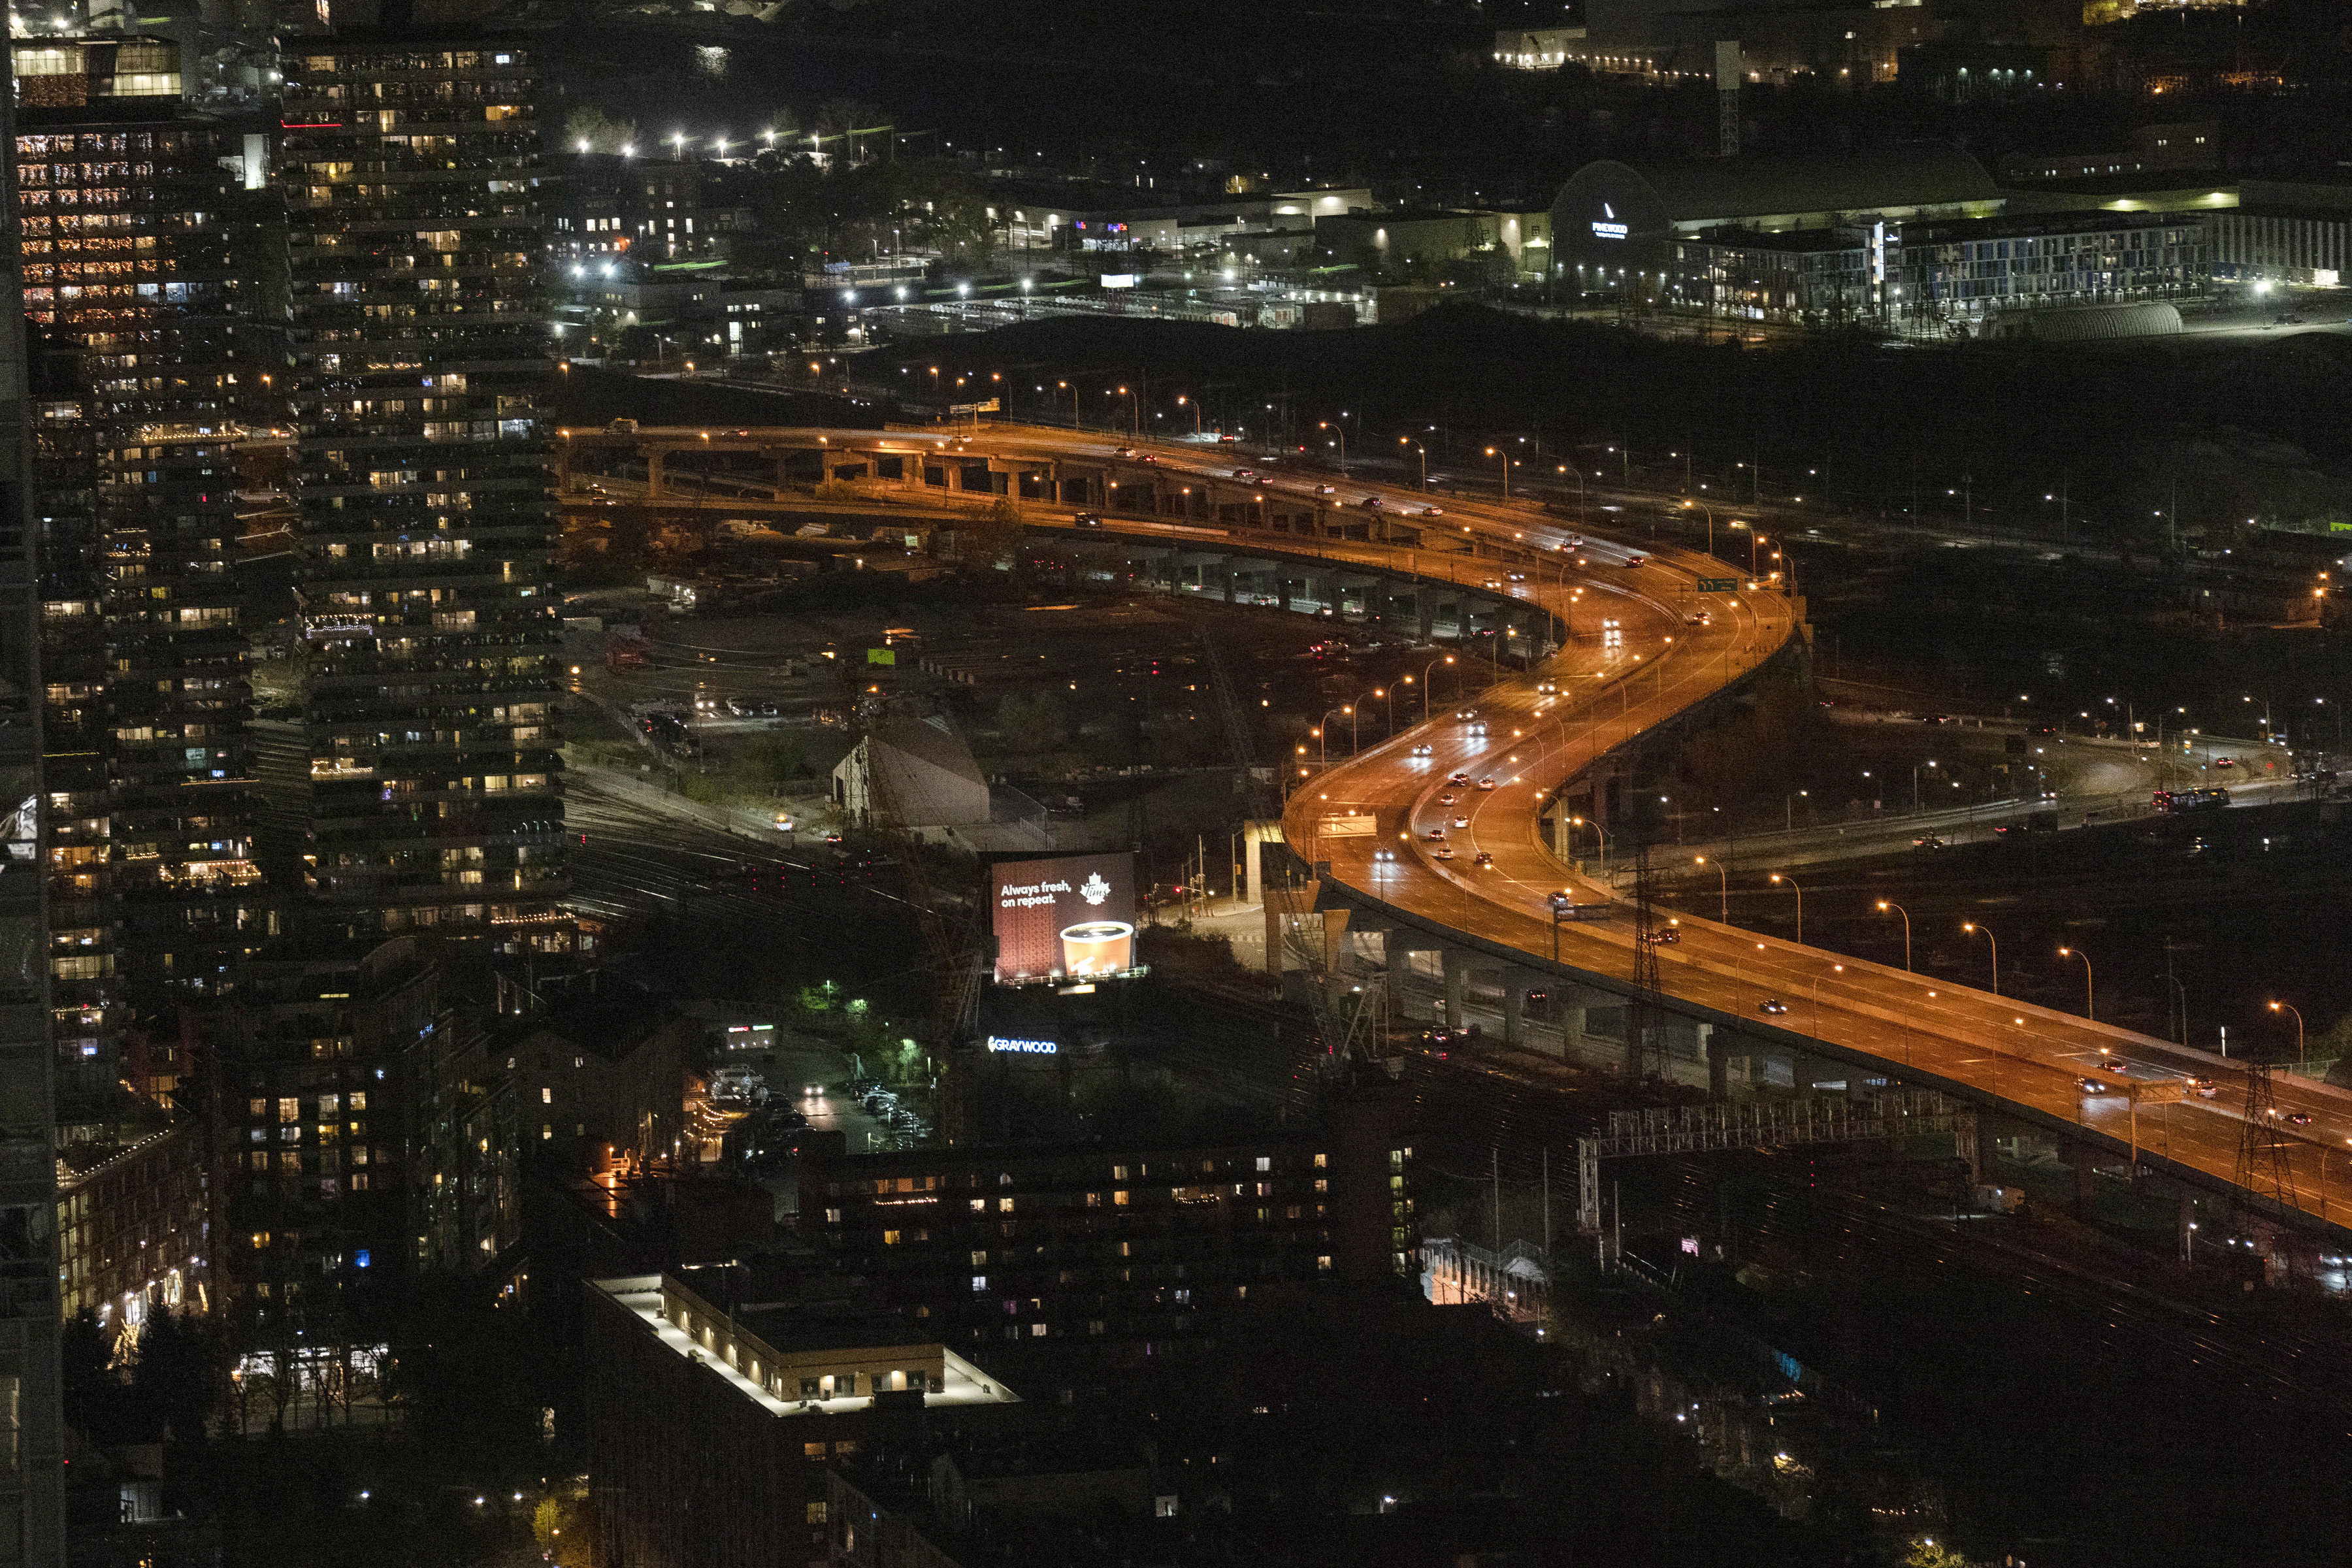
x: 1425, y: 750
x: 2204, y: 1088
x: 1461, y: 822
x: 1771, y: 1005
x: 1448, y: 798
x: 770, y: 711
x: 1460, y: 781
x: 1563, y: 899
x: 1519, y: 576
x: 1487, y: 783
x: 1637, y: 561
x: 1475, y: 727
x: 2117, y: 1067
x: 1264, y: 481
x: 1383, y: 853
x: 2300, y: 1118
x: 1484, y: 858
x: 1935, y: 718
x: 1435, y: 836
x: 1327, y: 489
x: 1443, y: 852
x: 1703, y: 618
x: 1665, y: 936
x: 1433, y: 511
x: 2225, y: 762
x: 1373, y: 503
x: 1465, y: 712
x: 1493, y: 582
x: 1086, y: 519
x: 738, y: 707
x: 1928, y: 841
x: 1546, y: 688
x: 2093, y: 1086
x: 1442, y: 1041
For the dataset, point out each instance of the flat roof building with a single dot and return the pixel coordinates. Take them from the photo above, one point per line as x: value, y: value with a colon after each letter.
x: 711, y: 1431
x: 1612, y: 215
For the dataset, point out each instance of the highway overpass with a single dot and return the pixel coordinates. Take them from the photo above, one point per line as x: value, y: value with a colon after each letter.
x: 1625, y: 645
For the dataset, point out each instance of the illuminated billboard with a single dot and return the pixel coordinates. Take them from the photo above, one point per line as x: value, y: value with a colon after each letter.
x: 1068, y: 918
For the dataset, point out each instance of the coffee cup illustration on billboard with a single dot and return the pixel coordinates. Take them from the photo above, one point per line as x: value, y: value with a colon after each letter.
x: 1097, y: 947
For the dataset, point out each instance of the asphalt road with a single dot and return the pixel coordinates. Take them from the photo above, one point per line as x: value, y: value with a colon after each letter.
x: 1612, y: 683
x: 1997, y: 1049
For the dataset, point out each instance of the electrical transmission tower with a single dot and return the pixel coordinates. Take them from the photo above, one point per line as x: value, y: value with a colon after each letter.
x: 1646, y: 1031
x: 2263, y: 1148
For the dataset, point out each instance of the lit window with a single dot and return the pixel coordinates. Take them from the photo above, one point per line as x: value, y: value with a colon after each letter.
x: 546, y: 1096
x: 979, y: 1282
x: 891, y: 1239
x: 1266, y: 1162
x: 1118, y: 1198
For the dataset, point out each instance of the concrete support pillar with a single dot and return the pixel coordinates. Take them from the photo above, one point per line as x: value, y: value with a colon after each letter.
x: 1282, y: 592
x: 2085, y: 1179
x: 1424, y: 610
x: 2187, y: 1226
x: 1515, y: 1009
x: 653, y: 474
x: 1230, y: 576
x: 1457, y: 983
x: 1570, y: 1011
x: 1718, y: 1063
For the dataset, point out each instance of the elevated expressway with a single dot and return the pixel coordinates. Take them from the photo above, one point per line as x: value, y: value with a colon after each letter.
x: 1598, y: 694
x: 1364, y: 823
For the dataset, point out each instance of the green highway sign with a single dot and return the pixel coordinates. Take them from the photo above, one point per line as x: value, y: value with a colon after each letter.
x: 1718, y: 584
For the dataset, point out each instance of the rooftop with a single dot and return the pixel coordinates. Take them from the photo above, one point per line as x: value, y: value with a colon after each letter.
x: 965, y: 1385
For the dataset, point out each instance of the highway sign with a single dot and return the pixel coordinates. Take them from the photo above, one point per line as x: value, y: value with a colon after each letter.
x: 1718, y: 584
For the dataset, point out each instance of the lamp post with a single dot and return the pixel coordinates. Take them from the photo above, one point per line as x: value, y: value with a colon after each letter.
x: 1424, y: 451
x: 2290, y: 1007
x: 2090, y: 1008
x: 1722, y: 887
x: 1135, y: 407
x: 1598, y: 832
x: 1975, y: 930
x: 1505, y: 458
x: 1073, y: 390
x: 1425, y: 683
x: 1800, y: 904
x: 1710, y: 522
x: 1181, y: 401
x: 1914, y: 782
x: 1583, y: 512
x: 1788, y: 810
x: 1886, y: 904
x: 1389, y: 693
x: 1340, y: 431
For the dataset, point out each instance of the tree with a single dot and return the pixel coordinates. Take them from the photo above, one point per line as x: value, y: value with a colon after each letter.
x: 600, y: 130
x: 90, y: 1389
x: 174, y: 1374
x: 773, y: 760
